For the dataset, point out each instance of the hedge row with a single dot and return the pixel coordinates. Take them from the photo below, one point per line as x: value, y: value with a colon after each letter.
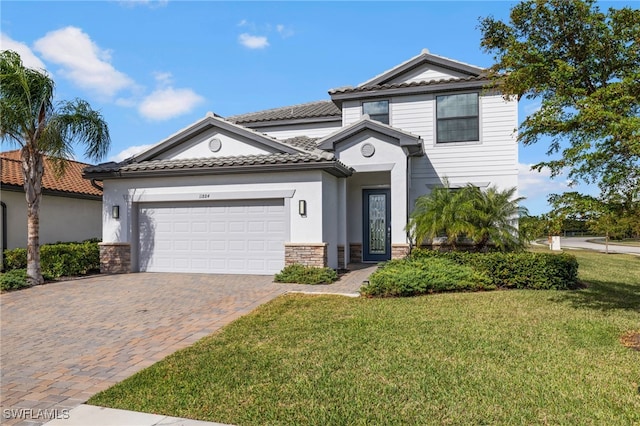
x: 58, y: 260
x: 411, y: 277
x: 301, y: 274
x: 428, y: 271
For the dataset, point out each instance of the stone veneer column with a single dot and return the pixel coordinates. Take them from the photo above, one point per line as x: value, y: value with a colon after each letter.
x: 307, y: 254
x: 355, y: 252
x: 115, y: 258
x: 399, y: 251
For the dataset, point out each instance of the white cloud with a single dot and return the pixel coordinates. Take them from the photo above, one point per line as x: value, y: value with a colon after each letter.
x: 532, y: 183
x: 129, y: 152
x: 29, y: 59
x: 166, y: 102
x: 154, y: 4
x: 253, y: 42
x: 284, y: 31
x: 82, y: 61
x: 243, y: 23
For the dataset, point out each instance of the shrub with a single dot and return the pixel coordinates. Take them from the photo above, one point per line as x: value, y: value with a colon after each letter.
x: 516, y: 270
x: 411, y: 277
x: 301, y: 274
x: 60, y: 259
x: 15, y: 259
x: 13, y: 280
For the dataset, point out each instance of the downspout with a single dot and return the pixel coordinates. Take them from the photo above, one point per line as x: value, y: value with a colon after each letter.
x: 406, y: 220
x: 4, y: 231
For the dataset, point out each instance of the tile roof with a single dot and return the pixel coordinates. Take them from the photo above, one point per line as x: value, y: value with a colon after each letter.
x: 71, y: 182
x: 210, y: 162
x: 303, y: 142
x: 315, y: 109
x: 350, y: 89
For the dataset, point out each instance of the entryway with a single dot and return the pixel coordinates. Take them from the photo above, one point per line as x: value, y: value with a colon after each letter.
x: 376, y: 222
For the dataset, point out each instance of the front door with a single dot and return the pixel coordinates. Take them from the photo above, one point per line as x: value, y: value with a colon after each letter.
x: 376, y: 208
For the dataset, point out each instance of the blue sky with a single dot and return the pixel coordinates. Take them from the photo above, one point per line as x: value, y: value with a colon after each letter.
x: 154, y: 67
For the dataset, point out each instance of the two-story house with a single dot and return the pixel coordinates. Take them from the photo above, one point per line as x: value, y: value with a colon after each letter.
x: 321, y: 183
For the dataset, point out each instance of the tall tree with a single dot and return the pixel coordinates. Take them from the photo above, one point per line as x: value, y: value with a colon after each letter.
x: 31, y: 120
x: 583, y: 66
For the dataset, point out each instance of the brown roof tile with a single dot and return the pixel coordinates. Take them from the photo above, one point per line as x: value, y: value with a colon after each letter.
x: 71, y: 182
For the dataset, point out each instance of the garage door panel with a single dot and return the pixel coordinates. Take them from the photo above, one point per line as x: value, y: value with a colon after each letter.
x: 239, y: 236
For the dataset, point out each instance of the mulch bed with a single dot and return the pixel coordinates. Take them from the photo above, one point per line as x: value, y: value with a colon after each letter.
x: 631, y: 340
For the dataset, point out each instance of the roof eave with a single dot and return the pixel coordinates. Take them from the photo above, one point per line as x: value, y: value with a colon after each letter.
x: 332, y: 167
x: 413, y: 90
x: 291, y: 121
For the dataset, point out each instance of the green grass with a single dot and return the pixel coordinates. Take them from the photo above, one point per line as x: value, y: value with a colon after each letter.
x: 503, y: 357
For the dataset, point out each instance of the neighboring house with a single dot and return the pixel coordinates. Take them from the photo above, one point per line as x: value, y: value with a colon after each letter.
x: 70, y: 209
x: 322, y: 183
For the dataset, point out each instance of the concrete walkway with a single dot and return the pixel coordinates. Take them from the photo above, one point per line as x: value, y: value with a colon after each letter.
x: 64, y: 342
x: 585, y: 243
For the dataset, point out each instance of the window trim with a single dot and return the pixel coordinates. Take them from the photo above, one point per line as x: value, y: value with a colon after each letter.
x: 388, y: 123
x: 478, y: 108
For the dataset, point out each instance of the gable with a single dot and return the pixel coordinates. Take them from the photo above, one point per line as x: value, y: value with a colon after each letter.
x: 424, y: 67
x: 214, y: 143
x: 426, y: 72
x: 410, y: 143
x: 213, y: 137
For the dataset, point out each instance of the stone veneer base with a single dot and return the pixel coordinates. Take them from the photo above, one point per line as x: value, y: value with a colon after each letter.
x: 400, y: 251
x: 355, y: 252
x: 115, y: 258
x: 341, y: 263
x: 307, y: 254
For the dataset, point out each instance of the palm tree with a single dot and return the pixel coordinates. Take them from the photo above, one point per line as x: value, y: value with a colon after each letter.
x: 441, y: 213
x: 487, y: 217
x: 30, y: 119
x: 494, y: 218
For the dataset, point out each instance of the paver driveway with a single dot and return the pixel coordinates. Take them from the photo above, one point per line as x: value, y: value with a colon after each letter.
x: 64, y: 342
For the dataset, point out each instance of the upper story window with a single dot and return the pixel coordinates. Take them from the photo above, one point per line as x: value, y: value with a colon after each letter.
x: 377, y: 110
x: 457, y: 118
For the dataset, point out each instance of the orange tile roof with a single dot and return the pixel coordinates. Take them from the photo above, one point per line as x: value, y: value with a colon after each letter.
x: 71, y: 182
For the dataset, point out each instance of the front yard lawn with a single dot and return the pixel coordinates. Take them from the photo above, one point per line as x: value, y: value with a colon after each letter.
x: 502, y: 357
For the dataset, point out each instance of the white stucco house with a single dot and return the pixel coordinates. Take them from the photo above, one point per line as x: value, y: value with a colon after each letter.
x: 322, y: 183
x: 70, y: 208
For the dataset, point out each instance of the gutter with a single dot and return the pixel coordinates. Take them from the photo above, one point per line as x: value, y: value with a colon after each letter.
x: 4, y: 230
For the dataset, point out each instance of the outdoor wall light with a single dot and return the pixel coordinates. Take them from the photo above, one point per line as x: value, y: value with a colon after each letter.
x: 302, y: 207
x: 115, y: 212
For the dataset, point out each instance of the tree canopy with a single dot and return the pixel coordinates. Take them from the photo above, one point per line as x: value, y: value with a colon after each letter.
x: 583, y: 66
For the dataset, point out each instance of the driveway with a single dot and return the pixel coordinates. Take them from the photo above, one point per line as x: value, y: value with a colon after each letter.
x: 583, y: 243
x: 64, y: 342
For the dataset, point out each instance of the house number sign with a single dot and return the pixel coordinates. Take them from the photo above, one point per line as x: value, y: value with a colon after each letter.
x: 204, y: 196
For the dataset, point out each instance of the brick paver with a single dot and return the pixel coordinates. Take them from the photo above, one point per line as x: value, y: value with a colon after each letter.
x: 62, y: 343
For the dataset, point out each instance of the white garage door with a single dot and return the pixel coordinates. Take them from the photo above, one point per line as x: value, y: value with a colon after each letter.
x: 230, y: 237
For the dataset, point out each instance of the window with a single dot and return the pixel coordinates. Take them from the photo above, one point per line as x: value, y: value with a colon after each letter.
x: 378, y: 110
x: 457, y: 118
